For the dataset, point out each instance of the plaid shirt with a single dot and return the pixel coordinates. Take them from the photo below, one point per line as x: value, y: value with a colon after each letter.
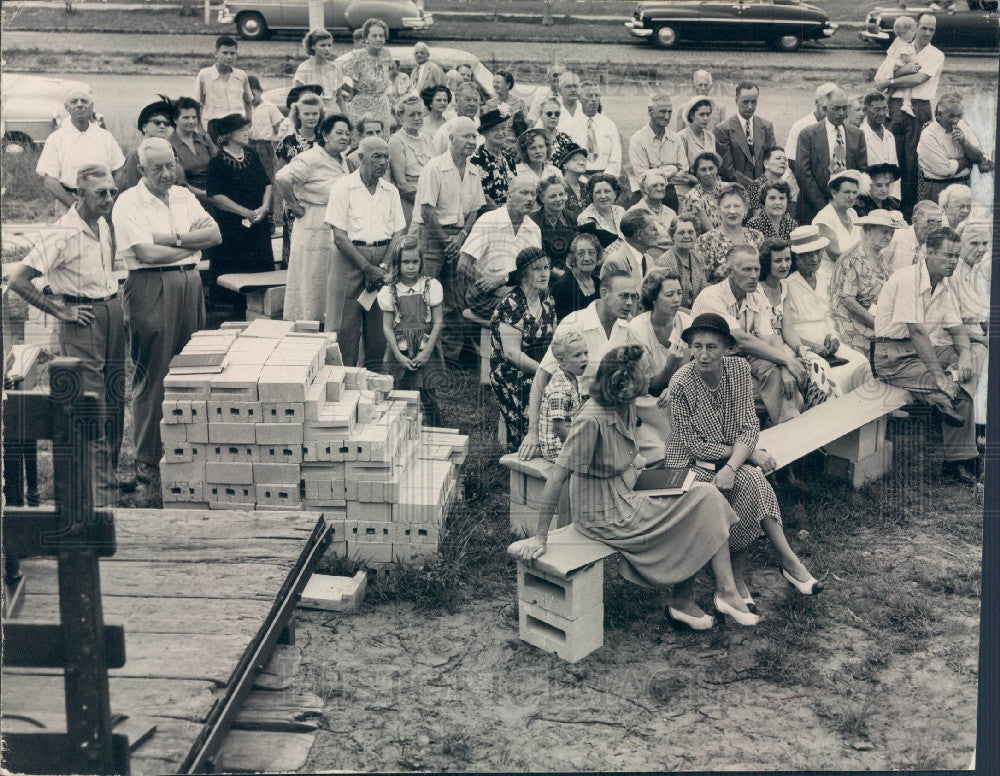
x: 560, y: 401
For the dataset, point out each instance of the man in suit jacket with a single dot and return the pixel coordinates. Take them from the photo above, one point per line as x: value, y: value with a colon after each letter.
x: 742, y: 139
x: 632, y: 254
x: 827, y: 147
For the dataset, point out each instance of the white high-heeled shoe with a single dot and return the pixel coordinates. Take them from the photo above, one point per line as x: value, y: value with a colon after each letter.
x: 811, y: 586
x: 702, y: 623
x: 743, y: 618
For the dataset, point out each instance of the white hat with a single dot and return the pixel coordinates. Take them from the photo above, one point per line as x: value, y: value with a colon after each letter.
x: 805, y: 239
x: 878, y: 217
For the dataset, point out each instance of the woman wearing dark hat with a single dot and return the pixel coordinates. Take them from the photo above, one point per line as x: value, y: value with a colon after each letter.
x: 155, y: 120
x: 239, y: 188
x: 497, y: 165
x: 555, y: 222
x: 573, y: 164
x: 715, y: 431
x: 536, y: 155
x: 879, y: 197
x: 306, y: 113
x: 522, y: 326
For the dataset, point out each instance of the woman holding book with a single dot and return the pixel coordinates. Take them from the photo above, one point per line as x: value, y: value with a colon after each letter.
x: 715, y: 430
x: 664, y: 542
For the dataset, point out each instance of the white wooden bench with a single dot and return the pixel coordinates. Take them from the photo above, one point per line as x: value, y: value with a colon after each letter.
x: 264, y: 291
x: 561, y: 594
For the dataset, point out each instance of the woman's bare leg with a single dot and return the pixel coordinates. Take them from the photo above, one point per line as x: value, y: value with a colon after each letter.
x: 786, y: 555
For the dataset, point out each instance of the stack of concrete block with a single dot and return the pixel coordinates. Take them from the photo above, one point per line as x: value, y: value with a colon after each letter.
x: 255, y: 416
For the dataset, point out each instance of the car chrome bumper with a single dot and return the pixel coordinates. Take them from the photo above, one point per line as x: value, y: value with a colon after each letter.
x: 637, y: 29
x: 875, y: 37
x: 829, y: 29
x: 417, y: 22
x: 226, y: 16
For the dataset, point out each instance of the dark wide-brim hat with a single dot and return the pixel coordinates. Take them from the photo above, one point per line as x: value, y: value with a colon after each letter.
x: 567, y: 153
x: 162, y: 107
x: 492, y: 119
x: 296, y: 91
x: 604, y: 237
x: 885, y: 167
x: 712, y: 322
x: 525, y: 258
x: 226, y: 125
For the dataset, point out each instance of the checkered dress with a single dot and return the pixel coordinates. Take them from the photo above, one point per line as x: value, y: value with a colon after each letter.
x: 560, y: 401
x: 706, y: 422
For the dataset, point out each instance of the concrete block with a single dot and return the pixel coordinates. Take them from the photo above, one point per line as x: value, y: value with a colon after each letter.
x: 188, y: 387
x: 237, y: 382
x: 410, y: 397
x: 235, y: 325
x: 409, y: 513
x: 268, y: 329
x: 184, y: 452
x: 231, y: 493
x: 415, y: 533
x: 323, y: 449
x: 368, y: 512
x: 189, y: 505
x: 229, y: 472
x: 280, y: 453
x: 323, y: 503
x: 197, y: 433
x: 273, y: 302
x: 277, y: 473
x: 176, y: 411
x: 861, y: 442
x: 334, y: 594
x: 305, y: 326
x: 413, y: 554
x: 380, y: 382
x: 570, y: 598
x: 173, y: 433
x: 182, y: 491
x: 278, y: 495
x: 244, y: 506
x: 279, y: 434
x: 283, y: 412
x: 571, y: 640
x: 872, y: 467
x: 368, y: 531
x: 188, y: 471
x: 232, y: 433
x: 518, y: 486
x: 234, y: 411
x: 255, y: 301
x: 253, y: 315
x: 325, y: 471
x: 283, y: 383
x: 242, y: 453
x: 317, y: 490
x: 355, y: 378
x: 370, y: 552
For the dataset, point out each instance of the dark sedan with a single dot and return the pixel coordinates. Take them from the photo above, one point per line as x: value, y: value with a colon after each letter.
x: 957, y: 27
x: 782, y: 23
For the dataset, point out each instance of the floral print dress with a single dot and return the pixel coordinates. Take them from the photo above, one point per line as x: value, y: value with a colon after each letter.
x: 711, y: 249
x: 288, y: 148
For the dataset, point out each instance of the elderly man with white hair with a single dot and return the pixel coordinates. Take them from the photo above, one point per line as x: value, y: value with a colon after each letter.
x: 426, y: 73
x: 948, y: 149
x: 161, y: 230
x: 448, y: 199
x: 701, y: 81
x: 572, y: 119
x: 818, y: 113
x: 956, y: 200
x: 971, y: 286
x: 656, y: 147
x: 77, y: 143
x: 467, y: 103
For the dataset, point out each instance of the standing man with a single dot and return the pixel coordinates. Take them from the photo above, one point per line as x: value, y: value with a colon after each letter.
x: 742, y: 139
x: 222, y: 89
x: 922, y: 345
x: 603, y: 141
x: 655, y: 147
x: 78, y: 143
x: 76, y: 257
x: 366, y: 215
x: 161, y: 230
x: 572, y: 119
x: 467, y: 104
x: 948, y: 150
x: 448, y: 199
x: 426, y: 73
x: 826, y: 148
x: 818, y: 113
x: 702, y: 83
x: 552, y: 74
x: 922, y: 87
x: 880, y: 143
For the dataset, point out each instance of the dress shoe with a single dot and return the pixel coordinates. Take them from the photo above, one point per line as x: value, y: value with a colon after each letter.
x: 962, y: 471
x: 950, y: 417
x: 811, y: 586
x: 743, y: 618
x: 751, y: 604
x: 678, y: 618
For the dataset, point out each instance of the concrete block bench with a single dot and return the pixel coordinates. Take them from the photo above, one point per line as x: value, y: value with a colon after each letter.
x: 264, y: 291
x: 527, y: 481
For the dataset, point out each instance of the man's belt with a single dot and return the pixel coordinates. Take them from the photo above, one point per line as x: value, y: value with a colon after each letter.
x: 375, y: 244
x: 70, y: 299
x: 958, y: 179
x: 168, y: 268
x: 915, y: 100
x: 891, y: 339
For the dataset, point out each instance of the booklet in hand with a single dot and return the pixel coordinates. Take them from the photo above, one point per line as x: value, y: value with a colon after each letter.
x: 835, y: 360
x: 664, y: 482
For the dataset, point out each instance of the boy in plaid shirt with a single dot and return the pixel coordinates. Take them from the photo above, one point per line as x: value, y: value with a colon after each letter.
x: 561, y: 397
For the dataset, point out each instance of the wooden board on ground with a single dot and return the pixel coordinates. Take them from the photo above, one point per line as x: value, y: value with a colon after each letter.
x: 292, y: 711
x: 196, y: 592
x: 247, y: 751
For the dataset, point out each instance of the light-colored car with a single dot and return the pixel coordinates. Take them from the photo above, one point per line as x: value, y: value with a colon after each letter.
x: 447, y: 58
x: 33, y: 108
x: 256, y: 19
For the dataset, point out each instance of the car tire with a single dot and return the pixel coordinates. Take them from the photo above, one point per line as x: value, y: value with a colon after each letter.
x: 788, y: 42
x: 666, y: 37
x: 251, y: 26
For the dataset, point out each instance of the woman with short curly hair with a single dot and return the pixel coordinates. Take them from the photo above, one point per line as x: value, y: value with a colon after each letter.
x: 713, y: 246
x: 663, y: 543
x: 369, y: 69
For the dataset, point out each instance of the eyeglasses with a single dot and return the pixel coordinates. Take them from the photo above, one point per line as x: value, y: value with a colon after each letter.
x: 106, y: 192
x: 160, y: 122
x: 552, y: 113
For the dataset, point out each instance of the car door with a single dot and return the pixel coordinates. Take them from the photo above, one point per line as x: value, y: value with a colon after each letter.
x: 335, y: 14
x: 757, y: 19
x: 718, y: 21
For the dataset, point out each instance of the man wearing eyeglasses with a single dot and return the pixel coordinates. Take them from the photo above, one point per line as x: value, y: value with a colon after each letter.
x: 75, y: 256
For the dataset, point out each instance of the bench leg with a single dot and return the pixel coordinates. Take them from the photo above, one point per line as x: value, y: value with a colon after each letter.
x: 862, y: 456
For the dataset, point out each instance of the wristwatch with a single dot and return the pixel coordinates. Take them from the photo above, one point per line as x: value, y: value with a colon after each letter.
x: 177, y: 239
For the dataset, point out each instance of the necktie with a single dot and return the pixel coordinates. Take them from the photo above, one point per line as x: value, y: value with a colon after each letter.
x: 840, y: 150
x: 591, y: 139
x: 749, y: 135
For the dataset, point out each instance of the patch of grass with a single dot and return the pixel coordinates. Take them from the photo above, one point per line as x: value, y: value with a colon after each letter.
x: 457, y: 744
x: 849, y: 718
x: 957, y: 581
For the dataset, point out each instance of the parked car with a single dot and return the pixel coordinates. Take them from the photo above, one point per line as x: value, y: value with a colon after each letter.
x: 782, y: 23
x: 33, y: 108
x: 957, y: 27
x: 256, y: 19
x: 447, y: 58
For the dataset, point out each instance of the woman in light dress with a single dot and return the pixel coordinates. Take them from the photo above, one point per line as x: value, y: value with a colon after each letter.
x: 321, y: 70
x: 409, y: 151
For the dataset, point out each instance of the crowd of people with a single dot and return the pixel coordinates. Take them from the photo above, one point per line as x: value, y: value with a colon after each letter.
x: 651, y: 299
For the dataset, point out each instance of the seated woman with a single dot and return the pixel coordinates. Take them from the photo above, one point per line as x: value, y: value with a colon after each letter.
x: 680, y: 258
x: 664, y: 542
x: 522, y: 325
x: 715, y: 430
x: 604, y: 189
x: 653, y: 185
x: 702, y: 201
x: 837, y: 221
x: 772, y: 218
x: 557, y: 226
x: 536, y: 156
x: 712, y: 248
x: 658, y: 331
x: 577, y: 288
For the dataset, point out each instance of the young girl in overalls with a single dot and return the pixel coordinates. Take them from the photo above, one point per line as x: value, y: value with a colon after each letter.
x: 412, y: 319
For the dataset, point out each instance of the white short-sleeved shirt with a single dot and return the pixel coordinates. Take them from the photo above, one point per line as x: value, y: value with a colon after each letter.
x: 68, y: 149
x: 640, y: 332
x: 588, y: 324
x: 907, y: 297
x: 435, y: 293
x: 931, y: 62
x: 364, y: 216
x: 73, y: 259
x: 222, y: 95
x: 139, y: 214
x: 266, y: 120
x: 494, y: 245
x: 752, y: 314
x: 453, y: 196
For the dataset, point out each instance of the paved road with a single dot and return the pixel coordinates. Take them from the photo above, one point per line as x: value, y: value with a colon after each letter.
x: 637, y: 54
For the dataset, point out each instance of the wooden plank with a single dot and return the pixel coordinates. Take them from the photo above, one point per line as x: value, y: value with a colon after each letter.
x: 152, y: 526
x: 290, y: 711
x: 138, y: 730
x: 39, y: 644
x: 27, y: 415
x: 167, y: 615
x: 241, y: 281
x: 35, y: 531
x: 171, y: 580
x: 257, y: 752
x: 165, y: 749
x: 56, y: 753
